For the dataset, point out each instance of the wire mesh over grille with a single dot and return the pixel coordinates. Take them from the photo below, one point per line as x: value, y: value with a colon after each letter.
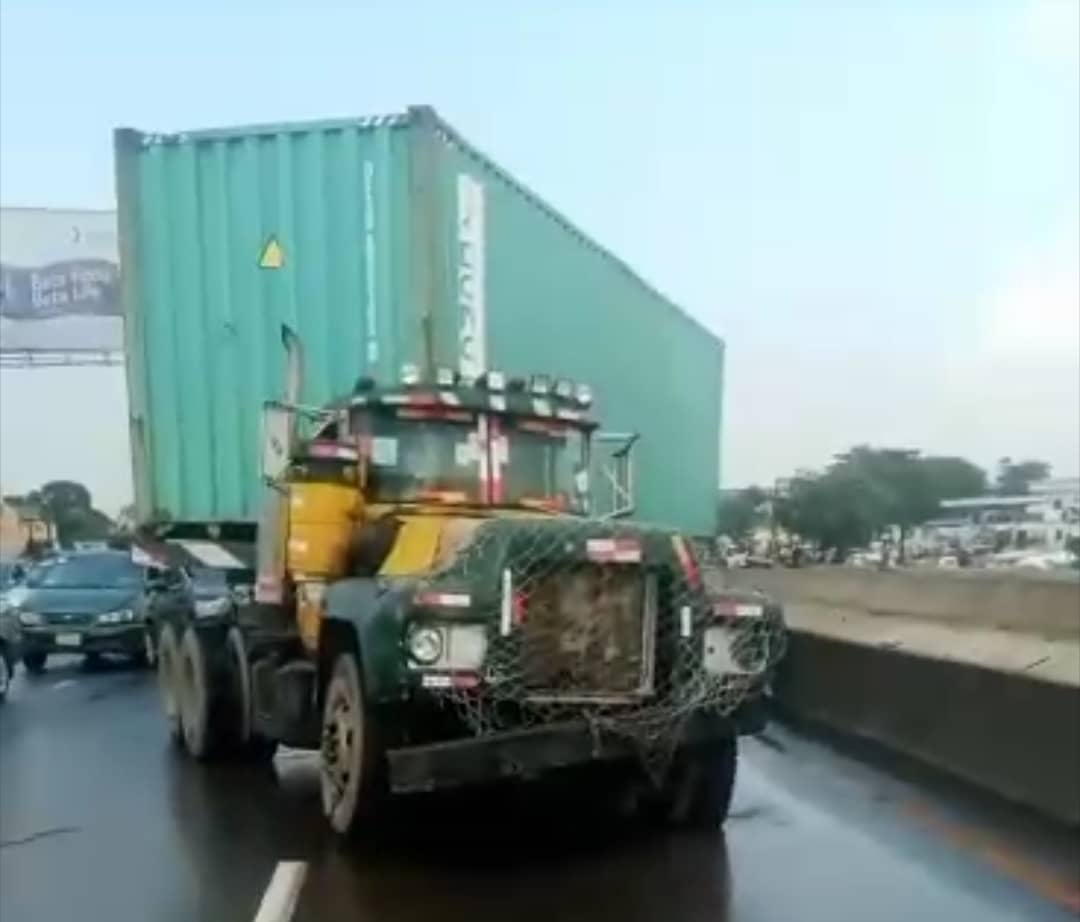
x: 600, y: 622
x: 585, y: 634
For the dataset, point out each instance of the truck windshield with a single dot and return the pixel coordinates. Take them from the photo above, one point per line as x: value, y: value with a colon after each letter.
x: 542, y: 464
x: 424, y: 460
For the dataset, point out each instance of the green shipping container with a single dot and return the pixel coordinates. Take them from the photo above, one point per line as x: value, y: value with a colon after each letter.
x: 372, y: 238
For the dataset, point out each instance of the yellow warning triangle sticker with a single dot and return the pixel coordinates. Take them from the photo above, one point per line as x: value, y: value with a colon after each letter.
x: 273, y: 256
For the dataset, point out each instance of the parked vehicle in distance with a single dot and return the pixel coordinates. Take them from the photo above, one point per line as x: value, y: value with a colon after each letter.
x: 89, y: 603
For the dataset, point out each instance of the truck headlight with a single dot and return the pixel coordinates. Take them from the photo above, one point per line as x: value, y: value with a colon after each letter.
x: 425, y: 645
x: 120, y: 616
x: 30, y: 619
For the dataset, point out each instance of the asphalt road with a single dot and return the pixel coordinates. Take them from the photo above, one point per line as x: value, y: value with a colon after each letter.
x: 100, y: 819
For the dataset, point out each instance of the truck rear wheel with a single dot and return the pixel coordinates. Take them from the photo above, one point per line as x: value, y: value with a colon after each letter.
x: 249, y: 745
x: 350, y: 759
x: 201, y: 707
x: 168, y: 681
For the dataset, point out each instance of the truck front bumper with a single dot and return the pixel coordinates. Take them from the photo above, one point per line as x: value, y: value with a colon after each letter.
x: 524, y: 754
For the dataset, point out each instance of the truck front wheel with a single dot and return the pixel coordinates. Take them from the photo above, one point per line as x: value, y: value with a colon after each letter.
x: 350, y: 758
x: 697, y: 793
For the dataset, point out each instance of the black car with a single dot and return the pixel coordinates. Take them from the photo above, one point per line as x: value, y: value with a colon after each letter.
x: 197, y: 592
x: 90, y: 603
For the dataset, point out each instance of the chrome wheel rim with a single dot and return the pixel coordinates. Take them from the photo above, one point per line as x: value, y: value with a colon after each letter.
x: 337, y: 750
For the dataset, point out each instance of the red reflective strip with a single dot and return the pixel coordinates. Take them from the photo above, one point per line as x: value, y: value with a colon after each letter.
x: 521, y: 603
x: 686, y: 558
x: 613, y: 550
x: 332, y: 450
x: 465, y: 680
x: 435, y: 412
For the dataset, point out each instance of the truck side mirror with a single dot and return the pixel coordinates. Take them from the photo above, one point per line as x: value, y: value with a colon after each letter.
x: 277, y: 438
x: 614, y: 455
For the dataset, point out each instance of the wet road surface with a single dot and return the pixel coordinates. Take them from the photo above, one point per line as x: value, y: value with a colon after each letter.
x: 101, y: 819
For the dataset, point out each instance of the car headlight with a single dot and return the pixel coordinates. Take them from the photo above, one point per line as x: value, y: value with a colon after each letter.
x: 30, y: 619
x: 207, y: 608
x: 425, y: 645
x: 120, y: 616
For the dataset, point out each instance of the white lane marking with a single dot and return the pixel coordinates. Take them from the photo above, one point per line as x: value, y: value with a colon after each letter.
x: 64, y: 683
x: 279, y: 900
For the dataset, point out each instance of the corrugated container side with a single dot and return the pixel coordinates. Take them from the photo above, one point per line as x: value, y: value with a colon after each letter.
x: 392, y: 231
x: 204, y: 317
x: 556, y: 302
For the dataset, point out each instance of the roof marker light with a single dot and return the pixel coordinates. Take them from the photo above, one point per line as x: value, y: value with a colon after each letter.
x: 540, y: 385
x: 410, y: 375
x: 446, y: 377
x: 584, y: 395
x: 496, y: 381
x: 564, y: 388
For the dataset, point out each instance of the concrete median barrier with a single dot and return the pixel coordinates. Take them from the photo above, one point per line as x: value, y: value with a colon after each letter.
x: 1014, y: 735
x: 976, y: 674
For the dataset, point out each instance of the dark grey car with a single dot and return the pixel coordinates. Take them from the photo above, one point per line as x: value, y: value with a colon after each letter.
x: 90, y: 603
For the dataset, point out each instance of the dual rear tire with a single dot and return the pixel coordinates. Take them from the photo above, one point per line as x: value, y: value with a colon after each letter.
x: 205, y: 681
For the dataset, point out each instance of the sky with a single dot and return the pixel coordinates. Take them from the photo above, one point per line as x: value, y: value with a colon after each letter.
x: 876, y: 205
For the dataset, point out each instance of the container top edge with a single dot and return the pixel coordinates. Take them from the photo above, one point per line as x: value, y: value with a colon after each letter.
x: 239, y: 132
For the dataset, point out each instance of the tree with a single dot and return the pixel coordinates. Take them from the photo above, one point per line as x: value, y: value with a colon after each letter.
x: 1016, y: 478
x: 737, y: 511
x: 953, y: 478
x: 68, y: 505
x: 835, y: 509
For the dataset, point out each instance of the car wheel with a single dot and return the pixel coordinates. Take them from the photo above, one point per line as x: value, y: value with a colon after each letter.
x: 34, y: 661
x: 350, y: 772
x: 5, y: 673
x: 168, y: 666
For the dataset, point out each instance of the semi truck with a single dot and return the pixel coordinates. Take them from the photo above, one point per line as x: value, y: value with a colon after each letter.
x: 364, y: 370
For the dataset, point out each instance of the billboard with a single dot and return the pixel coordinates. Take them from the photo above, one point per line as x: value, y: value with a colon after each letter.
x: 59, y: 283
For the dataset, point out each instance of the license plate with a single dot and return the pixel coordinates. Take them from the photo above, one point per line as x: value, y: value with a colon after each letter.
x: 69, y: 640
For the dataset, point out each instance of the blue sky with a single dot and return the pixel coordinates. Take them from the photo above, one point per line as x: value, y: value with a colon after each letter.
x: 875, y: 204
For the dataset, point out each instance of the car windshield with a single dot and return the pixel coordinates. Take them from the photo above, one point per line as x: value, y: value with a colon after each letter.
x: 542, y: 462
x: 97, y: 571
x: 424, y: 459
